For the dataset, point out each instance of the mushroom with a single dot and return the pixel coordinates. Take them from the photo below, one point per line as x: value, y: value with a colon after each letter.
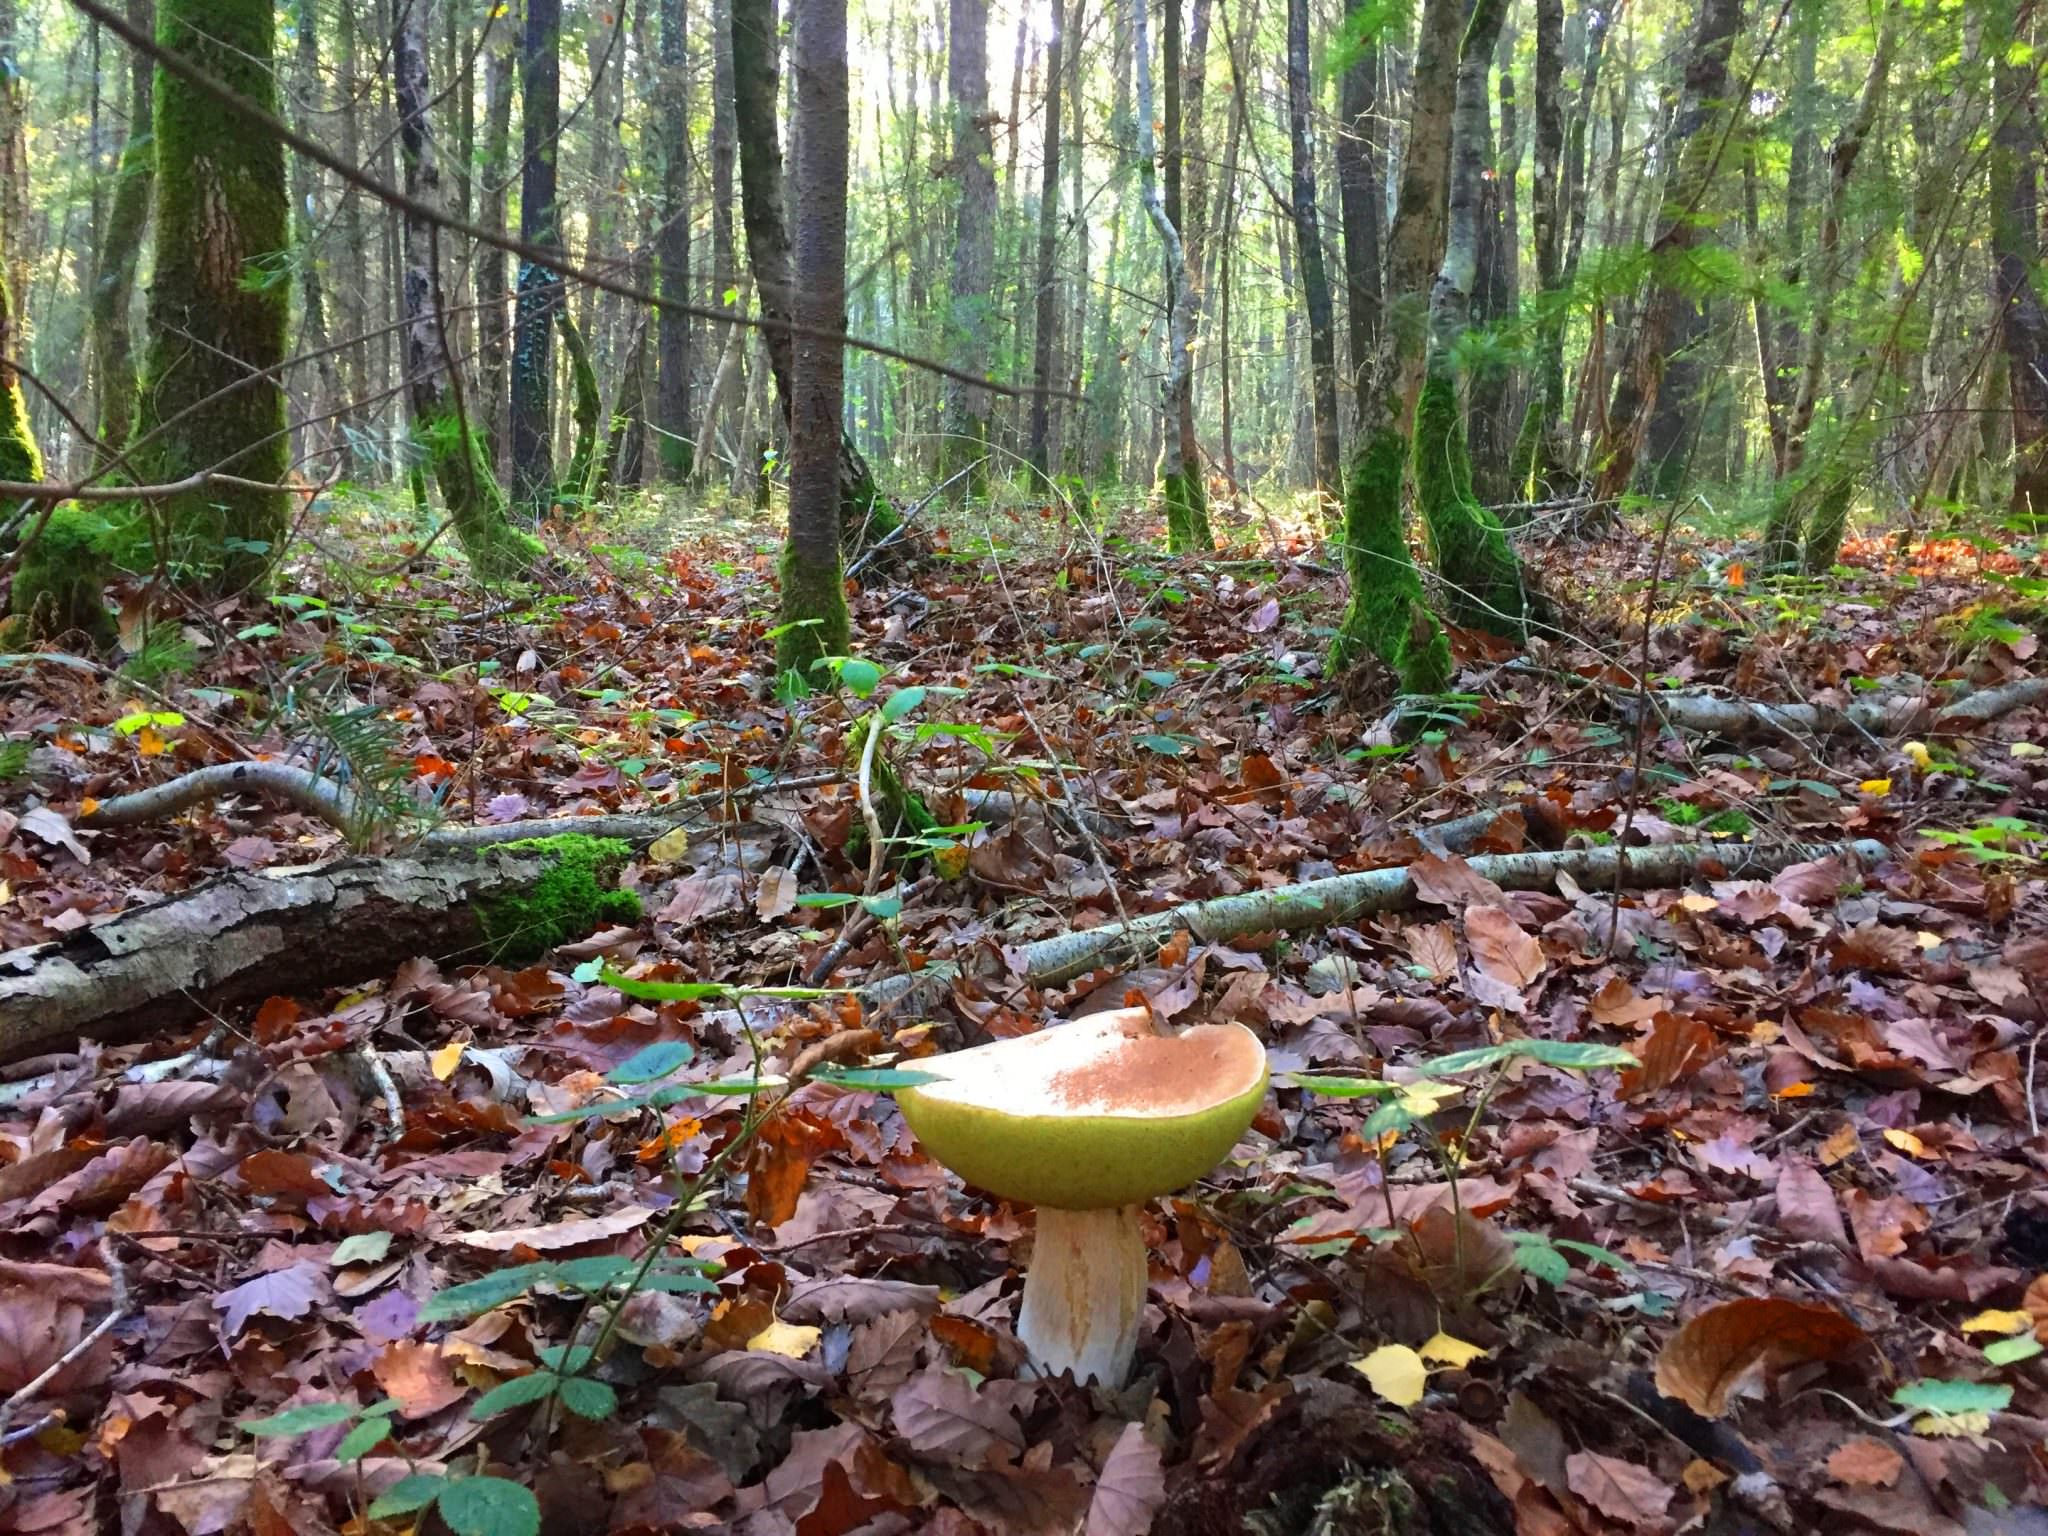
x: 1086, y: 1121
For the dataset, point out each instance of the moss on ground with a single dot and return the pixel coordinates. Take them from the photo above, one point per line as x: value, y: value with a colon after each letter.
x: 58, y: 585
x: 574, y: 895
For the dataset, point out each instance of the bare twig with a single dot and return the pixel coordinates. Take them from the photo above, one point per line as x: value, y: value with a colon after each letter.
x: 121, y: 1303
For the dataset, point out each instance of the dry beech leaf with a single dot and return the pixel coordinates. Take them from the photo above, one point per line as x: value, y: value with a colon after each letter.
x: 561, y: 1234
x: 1451, y: 882
x: 775, y: 895
x: 1503, y: 948
x: 1433, y: 947
x: 1708, y: 1358
x: 1620, y: 1490
x: 1865, y: 1463
x: 1129, y: 1489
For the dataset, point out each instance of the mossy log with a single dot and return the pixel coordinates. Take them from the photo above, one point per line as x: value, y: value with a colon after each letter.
x: 239, y: 939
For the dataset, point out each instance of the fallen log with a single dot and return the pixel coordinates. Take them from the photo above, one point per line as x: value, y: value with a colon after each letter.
x: 241, y: 938
x: 1345, y: 898
x: 1898, y: 715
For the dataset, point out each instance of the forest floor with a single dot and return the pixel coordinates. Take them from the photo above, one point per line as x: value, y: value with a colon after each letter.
x: 1813, y: 1213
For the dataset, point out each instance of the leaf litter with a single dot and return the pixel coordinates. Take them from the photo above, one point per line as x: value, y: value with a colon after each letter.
x: 1790, y: 1268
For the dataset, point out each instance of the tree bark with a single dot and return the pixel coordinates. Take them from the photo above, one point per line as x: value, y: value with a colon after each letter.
x: 1180, y: 480
x: 454, y: 450
x: 1539, y: 455
x: 813, y: 600
x: 1698, y: 136
x: 1358, y: 198
x: 329, y: 400
x: 672, y: 424
x: 221, y: 206
x: 237, y: 940
x: 1038, y: 453
x: 493, y: 312
x: 974, y: 250
x: 1308, y: 240
x: 540, y: 289
x: 120, y: 251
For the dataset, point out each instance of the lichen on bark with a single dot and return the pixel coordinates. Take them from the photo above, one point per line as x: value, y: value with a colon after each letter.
x: 219, y: 301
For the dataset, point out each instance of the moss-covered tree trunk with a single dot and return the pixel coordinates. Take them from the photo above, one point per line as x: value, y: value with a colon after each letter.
x: 1386, y: 617
x: 120, y: 252
x: 814, y: 616
x: 20, y: 458
x: 1482, y: 577
x: 585, y: 407
x: 1181, y: 486
x: 452, y: 438
x: 222, y: 238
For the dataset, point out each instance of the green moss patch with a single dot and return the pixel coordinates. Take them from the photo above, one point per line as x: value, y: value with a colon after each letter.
x: 573, y: 896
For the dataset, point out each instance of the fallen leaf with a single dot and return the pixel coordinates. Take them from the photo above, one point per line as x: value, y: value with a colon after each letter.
x: 1502, y: 947
x: 1451, y: 882
x: 789, y: 1340
x: 1443, y: 1349
x: 1998, y: 1322
x: 288, y: 1293
x: 1806, y: 1205
x: 561, y: 1234
x: 1434, y: 948
x: 1131, y: 1486
x: 51, y: 828
x: 670, y: 846
x: 942, y: 1413
x: 1865, y: 1463
x: 444, y: 1061
x: 1620, y: 1490
x: 1396, y: 1373
x: 1708, y: 1358
x: 418, y: 1377
x: 776, y: 894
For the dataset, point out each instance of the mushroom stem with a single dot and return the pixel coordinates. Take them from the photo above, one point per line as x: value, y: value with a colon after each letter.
x: 1084, y: 1292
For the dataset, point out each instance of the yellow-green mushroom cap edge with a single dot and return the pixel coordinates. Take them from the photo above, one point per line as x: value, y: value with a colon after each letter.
x: 1080, y: 1162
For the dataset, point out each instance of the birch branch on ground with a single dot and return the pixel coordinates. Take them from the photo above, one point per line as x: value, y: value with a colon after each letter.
x: 1713, y: 715
x: 1346, y: 898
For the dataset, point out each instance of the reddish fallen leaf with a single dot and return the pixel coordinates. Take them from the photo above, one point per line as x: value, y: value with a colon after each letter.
x: 1129, y: 1489
x: 572, y: 1233
x: 1806, y: 1204
x: 1708, y: 1358
x: 1865, y: 1463
x: 1502, y: 948
x: 1678, y: 1046
x: 1620, y: 1490
x: 779, y: 1162
x: 942, y: 1413
x: 37, y: 1329
x: 1451, y: 882
x: 419, y: 1377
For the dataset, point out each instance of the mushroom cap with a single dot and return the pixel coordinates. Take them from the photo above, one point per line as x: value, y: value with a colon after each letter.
x: 1095, y: 1113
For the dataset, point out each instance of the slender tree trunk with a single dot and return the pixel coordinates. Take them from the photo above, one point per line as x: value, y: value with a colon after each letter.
x: 672, y: 425
x: 540, y: 289
x: 120, y: 248
x: 493, y: 313
x: 329, y: 399
x: 813, y: 601
x: 1038, y: 454
x: 865, y: 515
x: 1315, y: 281
x: 1358, y: 195
x: 453, y: 448
x: 1695, y: 145
x: 972, y: 167
x: 1180, y: 479
x: 222, y: 215
x: 1539, y: 456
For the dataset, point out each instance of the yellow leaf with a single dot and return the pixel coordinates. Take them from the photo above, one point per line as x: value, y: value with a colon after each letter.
x: 950, y: 861
x: 1927, y: 940
x: 1878, y: 787
x: 2027, y: 749
x: 1842, y: 1144
x: 1422, y: 1098
x: 447, y: 1059
x: 1906, y: 1142
x: 670, y: 846
x: 1396, y: 1373
x: 1917, y: 754
x: 1736, y: 575
x: 1953, y: 1424
x: 87, y: 806
x: 788, y: 1339
x: 1793, y: 1091
x: 1698, y: 901
x: 1995, y: 1321
x: 151, y: 742
x: 1443, y: 1349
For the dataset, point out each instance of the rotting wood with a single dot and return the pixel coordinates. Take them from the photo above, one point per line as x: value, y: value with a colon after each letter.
x: 1324, y: 903
x: 239, y: 939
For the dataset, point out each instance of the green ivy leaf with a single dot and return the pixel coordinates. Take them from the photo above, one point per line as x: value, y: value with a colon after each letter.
x: 901, y: 703
x: 873, y: 1079
x: 515, y: 1392
x: 490, y: 1506
x: 296, y: 1421
x: 651, y: 1062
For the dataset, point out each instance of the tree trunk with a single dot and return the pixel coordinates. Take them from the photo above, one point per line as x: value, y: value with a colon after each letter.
x: 1180, y: 481
x: 1695, y: 143
x: 672, y: 244
x: 540, y: 290
x: 1315, y: 280
x: 1038, y: 454
x: 237, y: 940
x: 974, y: 250
x: 453, y: 448
x: 1539, y: 456
x: 813, y: 601
x: 493, y: 312
x: 329, y: 400
x: 222, y: 219
x: 1386, y: 617
x: 864, y: 514
x: 120, y: 249
x: 1358, y: 196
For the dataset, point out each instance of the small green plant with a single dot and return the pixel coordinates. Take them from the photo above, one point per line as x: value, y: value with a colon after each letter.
x: 1994, y: 840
